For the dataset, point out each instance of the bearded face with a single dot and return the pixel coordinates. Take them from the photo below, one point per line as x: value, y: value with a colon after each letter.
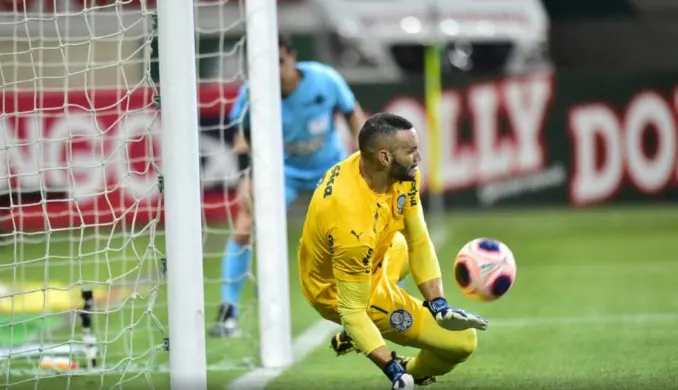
x: 404, y: 169
x: 405, y: 156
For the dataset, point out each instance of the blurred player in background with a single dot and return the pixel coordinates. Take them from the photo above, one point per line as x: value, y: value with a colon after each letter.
x: 311, y: 95
x: 364, y: 232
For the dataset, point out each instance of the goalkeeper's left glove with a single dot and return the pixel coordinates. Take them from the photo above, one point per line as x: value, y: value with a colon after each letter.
x: 452, y: 318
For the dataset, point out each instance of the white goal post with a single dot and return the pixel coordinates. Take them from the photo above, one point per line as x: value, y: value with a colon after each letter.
x: 117, y: 191
x: 267, y: 161
x: 181, y: 188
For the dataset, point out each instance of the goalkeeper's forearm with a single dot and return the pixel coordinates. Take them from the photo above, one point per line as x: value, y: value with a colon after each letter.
x: 432, y: 289
x: 352, y: 300
x: 366, y: 336
x: 423, y: 260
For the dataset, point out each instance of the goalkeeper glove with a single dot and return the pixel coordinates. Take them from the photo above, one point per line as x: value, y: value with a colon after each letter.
x: 452, y: 318
x: 396, y: 373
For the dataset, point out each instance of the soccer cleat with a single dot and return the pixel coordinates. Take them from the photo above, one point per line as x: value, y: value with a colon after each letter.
x: 342, y: 344
x: 427, y: 380
x: 227, y: 323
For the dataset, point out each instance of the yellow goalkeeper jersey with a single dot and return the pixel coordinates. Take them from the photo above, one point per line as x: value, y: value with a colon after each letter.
x: 347, y: 232
x: 348, y: 229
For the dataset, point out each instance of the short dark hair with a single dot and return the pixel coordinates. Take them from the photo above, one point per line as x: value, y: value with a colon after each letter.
x: 378, y: 125
x: 286, y: 42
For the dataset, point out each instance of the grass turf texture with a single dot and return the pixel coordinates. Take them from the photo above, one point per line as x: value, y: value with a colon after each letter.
x: 595, y: 305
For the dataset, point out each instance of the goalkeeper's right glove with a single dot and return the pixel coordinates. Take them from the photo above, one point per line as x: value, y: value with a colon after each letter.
x: 452, y: 318
x: 396, y: 373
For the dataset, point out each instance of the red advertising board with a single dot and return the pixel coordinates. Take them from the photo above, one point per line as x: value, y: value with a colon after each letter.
x: 90, y: 157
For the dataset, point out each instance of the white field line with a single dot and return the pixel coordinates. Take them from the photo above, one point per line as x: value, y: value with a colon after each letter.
x: 313, y: 337
x: 302, y: 346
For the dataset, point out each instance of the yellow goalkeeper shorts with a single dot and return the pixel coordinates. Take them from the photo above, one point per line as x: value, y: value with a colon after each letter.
x: 400, y: 317
x: 403, y: 319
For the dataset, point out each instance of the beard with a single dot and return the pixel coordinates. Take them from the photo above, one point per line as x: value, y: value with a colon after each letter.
x: 400, y: 172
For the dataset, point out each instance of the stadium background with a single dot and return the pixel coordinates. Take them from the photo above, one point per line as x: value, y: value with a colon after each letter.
x: 589, y: 119
x: 561, y: 72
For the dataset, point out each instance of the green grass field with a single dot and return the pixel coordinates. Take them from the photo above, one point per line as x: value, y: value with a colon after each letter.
x: 595, y: 305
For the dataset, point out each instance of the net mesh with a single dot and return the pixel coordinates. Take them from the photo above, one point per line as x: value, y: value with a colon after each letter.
x: 82, y: 293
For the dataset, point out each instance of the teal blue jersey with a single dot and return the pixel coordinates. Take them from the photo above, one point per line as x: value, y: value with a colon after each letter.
x: 311, y: 141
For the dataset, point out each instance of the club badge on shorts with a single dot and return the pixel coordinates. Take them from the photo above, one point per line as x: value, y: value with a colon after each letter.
x: 401, y: 203
x: 401, y: 320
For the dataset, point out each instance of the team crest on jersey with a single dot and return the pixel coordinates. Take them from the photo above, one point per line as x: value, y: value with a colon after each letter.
x: 401, y: 203
x: 401, y: 320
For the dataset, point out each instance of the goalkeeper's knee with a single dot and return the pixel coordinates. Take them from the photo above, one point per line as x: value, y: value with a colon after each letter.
x: 456, y: 350
x: 443, y: 354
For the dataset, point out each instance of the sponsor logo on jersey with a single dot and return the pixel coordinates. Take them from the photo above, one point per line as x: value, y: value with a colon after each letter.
x: 413, y: 194
x: 319, y: 124
x: 367, y: 260
x: 330, y: 181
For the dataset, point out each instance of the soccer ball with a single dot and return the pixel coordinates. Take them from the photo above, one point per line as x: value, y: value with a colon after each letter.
x: 485, y: 269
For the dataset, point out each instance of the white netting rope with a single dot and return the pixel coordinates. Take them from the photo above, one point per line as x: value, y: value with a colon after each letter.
x: 220, y: 26
x: 80, y: 189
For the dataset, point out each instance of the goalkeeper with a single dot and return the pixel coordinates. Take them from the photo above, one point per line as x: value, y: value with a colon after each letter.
x: 311, y: 94
x: 365, y: 231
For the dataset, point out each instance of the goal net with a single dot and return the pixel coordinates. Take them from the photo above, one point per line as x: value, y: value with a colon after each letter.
x: 82, y: 251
